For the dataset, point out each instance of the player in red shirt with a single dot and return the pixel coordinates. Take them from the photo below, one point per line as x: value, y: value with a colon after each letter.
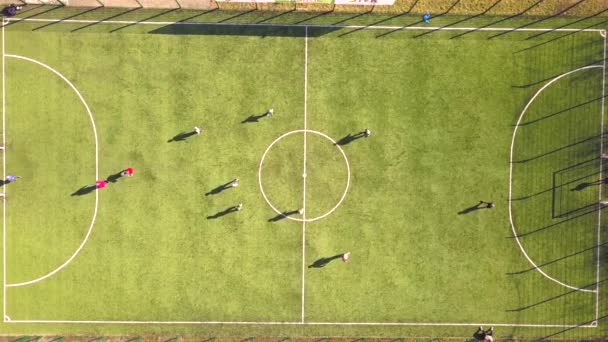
x: 100, y: 184
x: 127, y: 172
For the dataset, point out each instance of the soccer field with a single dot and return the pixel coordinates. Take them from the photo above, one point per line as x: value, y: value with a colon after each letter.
x: 456, y: 117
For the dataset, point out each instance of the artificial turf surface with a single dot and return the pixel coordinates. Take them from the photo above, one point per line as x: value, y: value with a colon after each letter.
x: 442, y: 113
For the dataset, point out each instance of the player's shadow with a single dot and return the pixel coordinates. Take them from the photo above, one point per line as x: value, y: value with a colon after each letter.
x: 114, y: 178
x: 219, y: 189
x: 480, y: 205
x: 222, y: 213
x: 3, y: 182
x: 584, y: 185
x: 84, y: 190
x: 349, y: 139
x: 254, y: 118
x: 283, y: 215
x: 319, y: 263
x: 181, y: 136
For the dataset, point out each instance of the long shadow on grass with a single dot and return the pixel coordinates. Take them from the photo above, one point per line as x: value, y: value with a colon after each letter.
x: 87, y: 189
x: 33, y: 15
x: 548, y: 337
x: 383, y: 20
x: 555, y: 187
x: 223, y: 212
x: 596, y: 62
x: 220, y: 188
x: 554, y: 224
x: 283, y: 215
x: 589, y: 286
x: 562, y: 111
x: 420, y: 21
x: 67, y: 18
x: 460, y: 21
x: 538, y: 2
x: 256, y: 30
x: 314, y: 16
x: 108, y: 18
x: 586, y: 140
x: 564, y: 35
x: 558, y: 259
x: 181, y: 136
x: 320, y: 263
x: 236, y: 16
x: 276, y: 16
x: 538, y: 21
x: 480, y: 205
x: 146, y: 19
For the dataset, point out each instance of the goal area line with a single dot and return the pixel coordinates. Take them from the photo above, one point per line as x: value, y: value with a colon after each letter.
x: 186, y: 23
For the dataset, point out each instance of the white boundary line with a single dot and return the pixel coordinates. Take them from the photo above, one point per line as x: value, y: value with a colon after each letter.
x: 4, y: 177
x: 599, y: 212
x: 536, y: 267
x: 591, y: 325
x: 96, y: 172
x: 304, y: 172
x: 425, y: 28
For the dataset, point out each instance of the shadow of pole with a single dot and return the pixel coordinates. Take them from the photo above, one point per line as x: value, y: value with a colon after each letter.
x: 462, y: 20
x: 565, y: 35
x: 555, y: 297
x: 383, y: 20
x: 67, y: 18
x: 420, y: 21
x: 559, y: 259
x: 567, y: 24
x: 276, y: 16
x: 539, y: 21
x: 538, y: 2
x: 108, y: 18
x: 547, y: 338
x: 17, y: 20
x: 146, y: 19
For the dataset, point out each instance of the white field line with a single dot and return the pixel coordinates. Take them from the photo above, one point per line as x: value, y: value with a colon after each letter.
x: 425, y: 28
x: 96, y: 172
x: 599, y: 212
x: 284, y: 323
x: 511, y: 177
x: 415, y: 324
x: 304, y: 172
x: 3, y: 177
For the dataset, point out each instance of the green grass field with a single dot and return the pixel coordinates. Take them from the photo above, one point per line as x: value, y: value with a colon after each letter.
x: 442, y: 106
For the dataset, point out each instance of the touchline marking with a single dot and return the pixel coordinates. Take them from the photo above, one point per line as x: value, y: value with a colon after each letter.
x: 511, y: 176
x: 4, y: 316
x: 599, y: 212
x: 590, y: 325
x: 304, y: 172
x: 96, y: 171
x: 425, y: 28
x: 339, y: 149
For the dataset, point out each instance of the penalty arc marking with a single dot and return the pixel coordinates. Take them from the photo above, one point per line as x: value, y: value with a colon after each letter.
x: 536, y: 267
x: 86, y: 238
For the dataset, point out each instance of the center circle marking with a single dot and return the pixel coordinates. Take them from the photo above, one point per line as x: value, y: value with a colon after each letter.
x: 304, y: 175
